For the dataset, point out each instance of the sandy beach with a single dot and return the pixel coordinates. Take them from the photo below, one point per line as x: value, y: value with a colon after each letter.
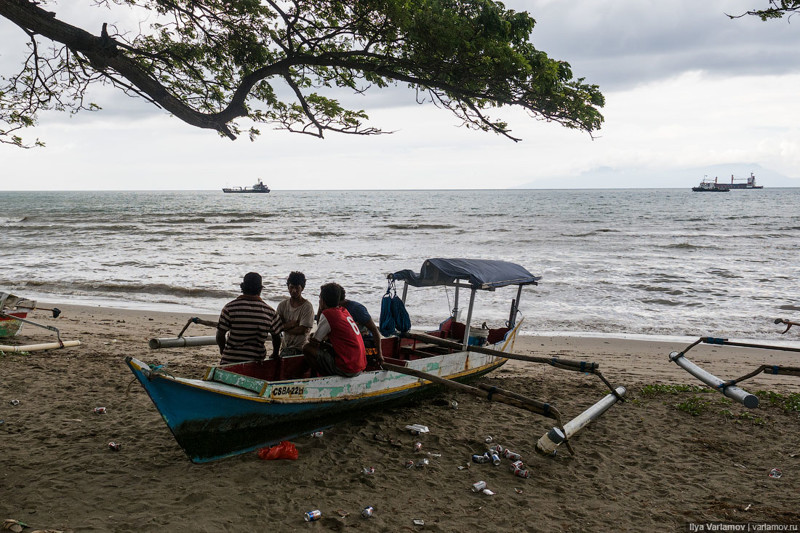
x: 646, y: 465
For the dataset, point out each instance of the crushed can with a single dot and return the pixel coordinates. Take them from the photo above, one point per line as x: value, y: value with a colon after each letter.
x: 488, y: 439
x: 368, y: 470
x: 479, y: 486
x: 488, y: 492
x: 481, y: 459
x: 317, y: 434
x: 99, y: 410
x: 497, y: 449
x: 312, y: 516
x: 417, y: 446
x: 14, y: 402
x: 511, y: 456
x: 114, y: 446
x: 423, y: 463
x: 409, y: 464
x: 495, y: 459
x: 519, y: 472
x: 368, y: 511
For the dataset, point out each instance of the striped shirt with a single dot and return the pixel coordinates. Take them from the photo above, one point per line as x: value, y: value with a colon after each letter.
x: 249, y: 322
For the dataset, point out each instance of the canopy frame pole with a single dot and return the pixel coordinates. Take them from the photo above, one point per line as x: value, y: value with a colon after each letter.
x: 512, y: 318
x: 454, y: 312
x: 469, y: 317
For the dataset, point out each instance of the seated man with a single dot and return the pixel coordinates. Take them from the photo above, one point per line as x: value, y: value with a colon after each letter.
x: 336, y: 348
x: 369, y: 331
x: 297, y: 315
x: 246, y: 323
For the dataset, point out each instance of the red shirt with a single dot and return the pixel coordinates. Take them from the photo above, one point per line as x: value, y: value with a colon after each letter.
x: 344, y: 335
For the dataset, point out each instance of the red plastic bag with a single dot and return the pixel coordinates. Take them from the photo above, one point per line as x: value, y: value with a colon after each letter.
x: 284, y: 450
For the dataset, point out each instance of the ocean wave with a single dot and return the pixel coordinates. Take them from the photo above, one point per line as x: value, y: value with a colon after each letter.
x: 419, y: 226
x: 111, y: 289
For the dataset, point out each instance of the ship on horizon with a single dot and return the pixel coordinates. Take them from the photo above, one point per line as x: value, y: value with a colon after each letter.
x: 257, y: 188
x: 706, y: 185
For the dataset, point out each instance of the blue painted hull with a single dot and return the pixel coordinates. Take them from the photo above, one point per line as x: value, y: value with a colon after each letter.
x: 212, y: 424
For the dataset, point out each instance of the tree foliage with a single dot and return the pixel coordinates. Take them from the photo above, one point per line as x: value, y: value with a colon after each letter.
x: 216, y: 63
x: 777, y: 9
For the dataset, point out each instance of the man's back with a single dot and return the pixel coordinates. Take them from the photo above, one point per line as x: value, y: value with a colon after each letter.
x: 249, y: 322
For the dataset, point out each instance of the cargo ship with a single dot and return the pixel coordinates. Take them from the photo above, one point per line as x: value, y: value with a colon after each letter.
x: 257, y: 188
x: 714, y: 186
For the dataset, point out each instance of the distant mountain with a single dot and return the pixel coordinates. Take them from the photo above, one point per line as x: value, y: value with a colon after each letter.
x: 627, y: 178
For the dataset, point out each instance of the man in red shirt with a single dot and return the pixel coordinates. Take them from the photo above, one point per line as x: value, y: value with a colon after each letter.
x: 336, y: 348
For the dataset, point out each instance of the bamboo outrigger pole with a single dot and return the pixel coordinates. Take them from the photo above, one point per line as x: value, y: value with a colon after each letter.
x: 564, y: 364
x: 39, y: 347
x: 487, y: 392
x: 182, y: 342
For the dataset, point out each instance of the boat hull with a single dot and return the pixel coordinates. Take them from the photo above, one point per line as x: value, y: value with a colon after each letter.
x: 212, y: 419
x: 9, y: 326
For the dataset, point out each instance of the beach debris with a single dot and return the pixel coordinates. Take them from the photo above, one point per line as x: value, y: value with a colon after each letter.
x: 317, y: 434
x: 511, y: 456
x: 13, y: 525
x: 312, y: 516
x: 481, y: 458
x: 462, y: 467
x: 478, y: 486
x: 114, y: 446
x: 99, y: 410
x: 409, y: 464
x: 342, y: 513
x: 14, y: 402
x: 418, y: 522
x: 496, y: 449
x: 518, y: 491
x: 453, y: 404
x: 488, y: 492
x: 434, y: 454
x: 368, y: 470
x: 416, y: 429
x: 284, y: 450
x: 775, y: 473
x: 749, y: 505
x: 488, y: 439
x: 740, y: 465
x: 417, y: 446
x: 422, y: 463
x: 495, y: 459
x: 367, y: 511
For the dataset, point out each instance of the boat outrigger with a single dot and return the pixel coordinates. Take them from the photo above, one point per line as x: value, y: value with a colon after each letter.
x: 14, y: 313
x: 241, y: 407
x: 257, y: 188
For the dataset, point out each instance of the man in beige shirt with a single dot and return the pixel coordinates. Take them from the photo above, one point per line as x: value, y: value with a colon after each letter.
x: 297, y: 315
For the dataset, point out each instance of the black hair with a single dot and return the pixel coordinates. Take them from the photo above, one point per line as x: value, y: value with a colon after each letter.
x: 251, y: 284
x: 331, y: 294
x: 296, y: 278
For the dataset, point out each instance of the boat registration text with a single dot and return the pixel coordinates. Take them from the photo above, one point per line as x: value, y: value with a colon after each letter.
x: 287, y: 391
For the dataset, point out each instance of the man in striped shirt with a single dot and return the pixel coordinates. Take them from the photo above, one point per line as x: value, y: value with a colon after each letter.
x: 246, y: 323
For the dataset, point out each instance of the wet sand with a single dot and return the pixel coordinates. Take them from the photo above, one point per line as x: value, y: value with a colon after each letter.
x: 646, y: 465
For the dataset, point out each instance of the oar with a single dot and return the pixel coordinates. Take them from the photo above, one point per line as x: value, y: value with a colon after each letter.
x: 487, y: 392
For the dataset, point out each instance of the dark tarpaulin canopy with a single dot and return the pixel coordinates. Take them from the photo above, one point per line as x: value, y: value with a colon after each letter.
x: 480, y: 273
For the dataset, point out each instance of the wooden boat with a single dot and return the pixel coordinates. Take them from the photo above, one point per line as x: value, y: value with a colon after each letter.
x: 242, y: 407
x: 14, y: 313
x: 257, y: 188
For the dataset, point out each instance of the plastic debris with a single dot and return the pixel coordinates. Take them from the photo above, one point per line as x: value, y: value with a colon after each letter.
x: 368, y: 470
x: 416, y: 429
x: 775, y: 473
x: 14, y: 402
x: 418, y: 522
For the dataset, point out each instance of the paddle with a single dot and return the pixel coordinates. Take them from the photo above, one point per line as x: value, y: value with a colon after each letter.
x: 488, y: 392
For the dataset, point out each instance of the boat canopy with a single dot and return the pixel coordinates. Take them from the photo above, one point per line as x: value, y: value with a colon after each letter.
x: 486, y: 274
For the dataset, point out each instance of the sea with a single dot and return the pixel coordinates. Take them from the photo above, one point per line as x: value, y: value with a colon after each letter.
x: 649, y: 263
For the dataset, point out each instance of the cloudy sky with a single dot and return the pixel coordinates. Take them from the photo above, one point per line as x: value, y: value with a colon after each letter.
x: 686, y: 89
